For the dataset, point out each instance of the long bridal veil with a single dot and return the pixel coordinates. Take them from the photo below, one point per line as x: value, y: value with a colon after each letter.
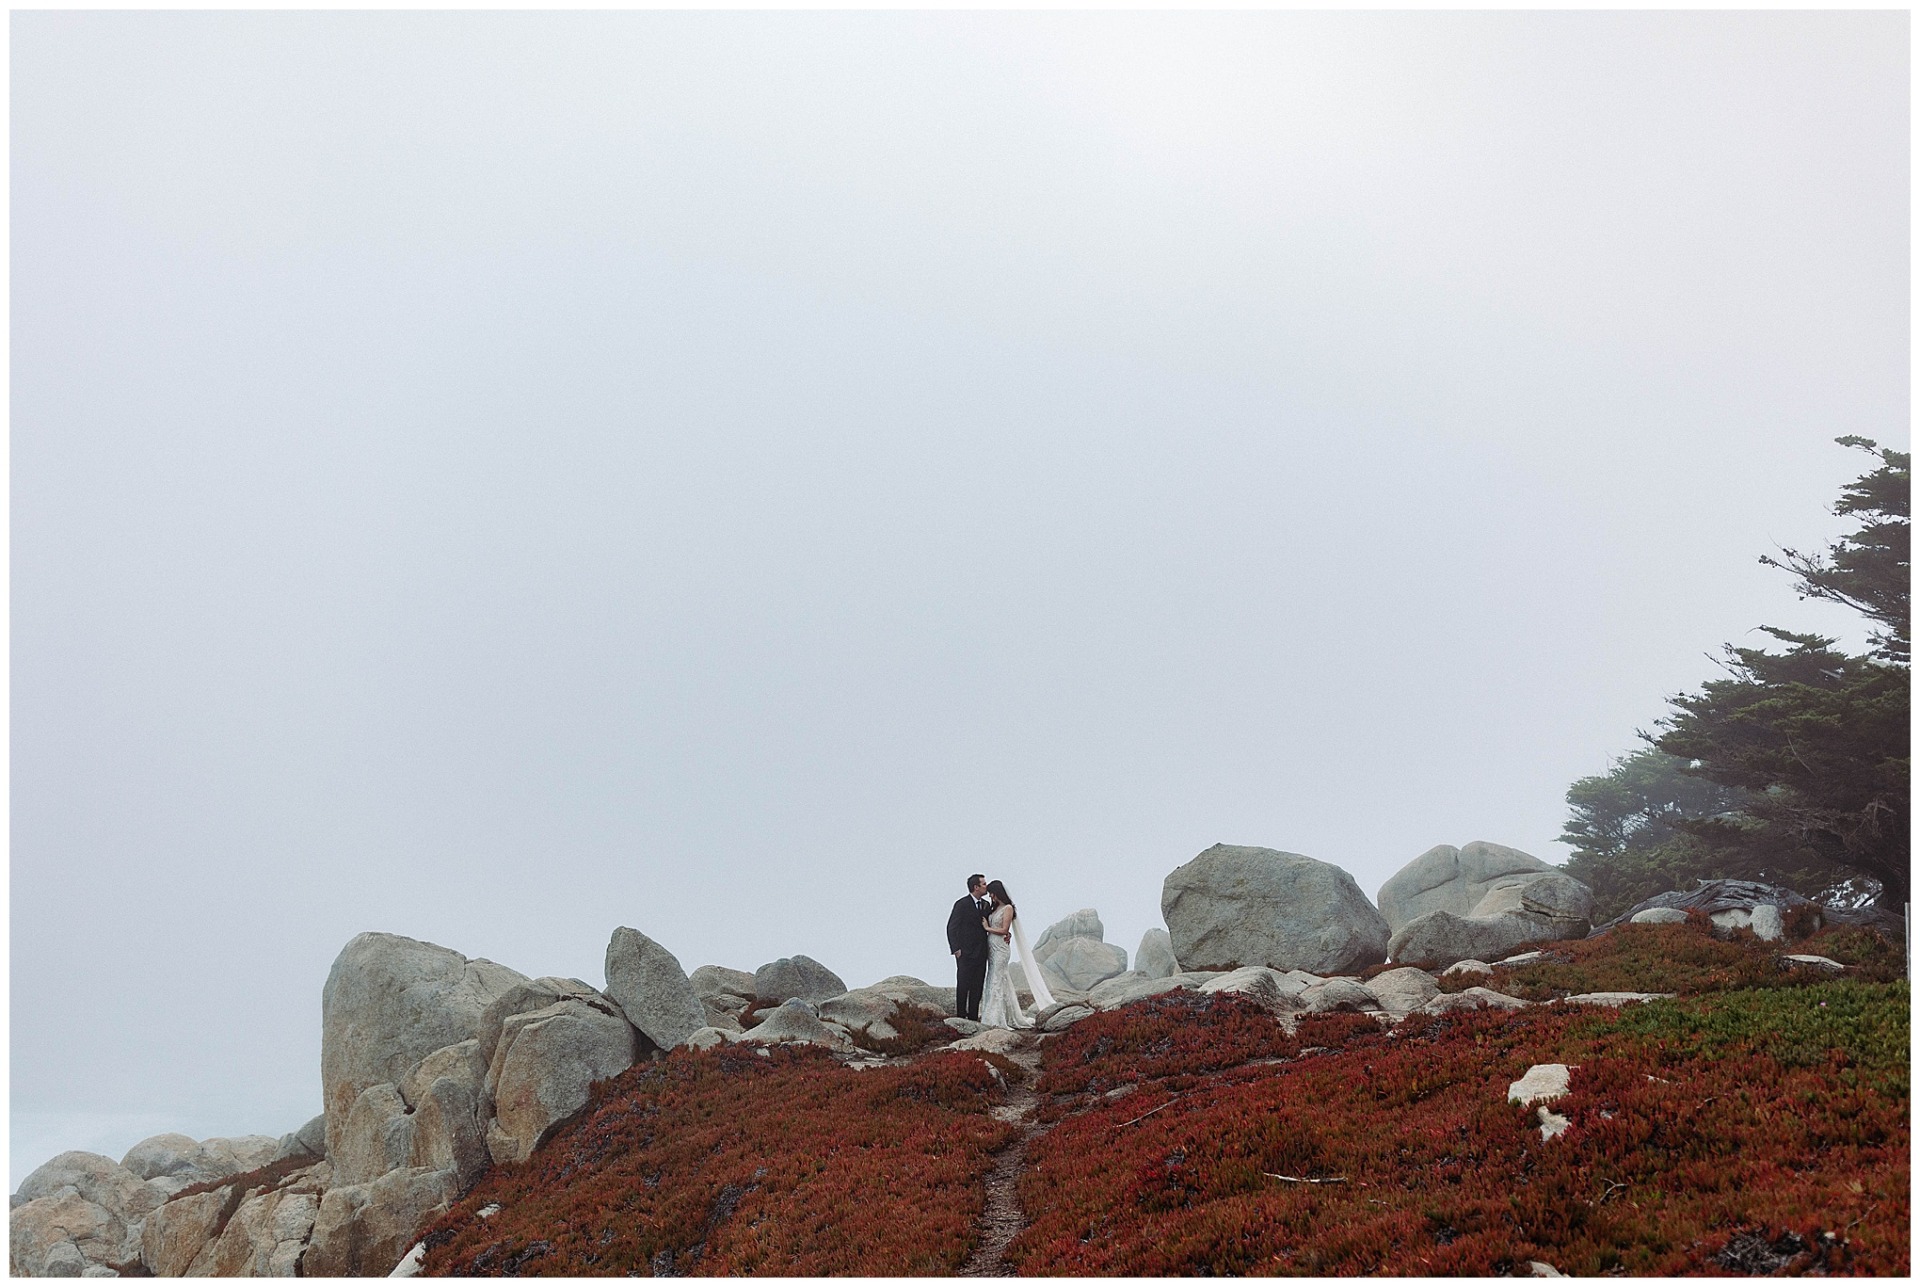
x: 1036, y: 982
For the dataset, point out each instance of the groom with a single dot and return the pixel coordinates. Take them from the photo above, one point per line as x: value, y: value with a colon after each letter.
x: 967, y: 938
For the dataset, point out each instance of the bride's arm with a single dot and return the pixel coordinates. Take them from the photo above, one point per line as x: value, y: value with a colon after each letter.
x: 1001, y: 930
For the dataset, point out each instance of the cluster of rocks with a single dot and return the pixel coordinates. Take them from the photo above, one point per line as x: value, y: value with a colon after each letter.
x: 1240, y: 905
x: 435, y: 1066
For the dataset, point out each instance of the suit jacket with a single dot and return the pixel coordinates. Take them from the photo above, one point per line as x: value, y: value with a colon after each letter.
x: 965, y: 934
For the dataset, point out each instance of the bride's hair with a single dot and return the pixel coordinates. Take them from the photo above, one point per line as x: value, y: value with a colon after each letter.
x: 1000, y: 895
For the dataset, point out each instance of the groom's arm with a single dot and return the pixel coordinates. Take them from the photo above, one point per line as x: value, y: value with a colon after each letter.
x: 956, y: 924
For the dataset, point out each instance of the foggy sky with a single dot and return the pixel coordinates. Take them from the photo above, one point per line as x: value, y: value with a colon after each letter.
x: 493, y: 478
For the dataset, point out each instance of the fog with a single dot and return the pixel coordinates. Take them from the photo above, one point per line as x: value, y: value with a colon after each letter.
x: 497, y: 477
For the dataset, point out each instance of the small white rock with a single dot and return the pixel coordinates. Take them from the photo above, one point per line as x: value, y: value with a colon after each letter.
x: 1660, y: 916
x: 1542, y: 1081
x: 409, y: 1266
x: 1817, y: 962
x: 1541, y: 1269
x: 1551, y: 1123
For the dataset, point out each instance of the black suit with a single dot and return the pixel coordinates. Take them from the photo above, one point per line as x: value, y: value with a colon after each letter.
x: 967, y: 935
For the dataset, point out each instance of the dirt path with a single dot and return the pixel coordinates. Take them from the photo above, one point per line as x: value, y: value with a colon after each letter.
x: 1003, y: 1218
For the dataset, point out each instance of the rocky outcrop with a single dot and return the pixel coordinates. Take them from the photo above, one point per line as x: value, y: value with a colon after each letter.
x: 363, y: 1230
x: 544, y: 1065
x: 175, y: 1234
x: 450, y: 1123
x: 96, y: 1179
x: 645, y: 980
x: 376, y: 1136
x: 796, y: 976
x: 309, y: 1141
x: 62, y: 1234
x: 266, y: 1236
x: 1446, y: 879
x: 194, y: 1161
x: 1542, y: 908
x: 1155, y: 957
x: 389, y: 1001
x: 1240, y: 905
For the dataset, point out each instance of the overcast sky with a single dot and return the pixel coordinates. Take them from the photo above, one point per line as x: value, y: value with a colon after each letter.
x: 494, y: 478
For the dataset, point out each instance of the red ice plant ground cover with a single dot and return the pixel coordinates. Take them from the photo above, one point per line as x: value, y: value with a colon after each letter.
x: 725, y: 1162
x: 1757, y: 1130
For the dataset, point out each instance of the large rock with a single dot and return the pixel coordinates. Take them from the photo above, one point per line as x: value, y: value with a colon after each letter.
x: 390, y: 1001
x: 1081, y: 964
x: 794, y: 1020
x: 267, y: 1235
x: 362, y: 1230
x: 1542, y: 909
x: 645, y: 980
x: 1441, y: 938
x: 1268, y: 987
x: 60, y: 1235
x: 714, y: 981
x: 1472, y: 999
x: 860, y: 1009
x: 170, y: 1154
x: 1240, y: 905
x: 796, y: 976
x: 309, y: 1141
x: 910, y: 990
x: 1402, y: 991
x: 96, y: 1179
x: 376, y: 1137
x: 1445, y: 879
x: 1084, y: 923
x: 1155, y: 957
x: 544, y: 1066
x: 174, y: 1236
x: 1339, y: 995
x: 1125, y: 989
x: 449, y: 1127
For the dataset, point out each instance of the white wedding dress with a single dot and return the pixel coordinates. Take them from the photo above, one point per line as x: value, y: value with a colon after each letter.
x: 999, y: 1005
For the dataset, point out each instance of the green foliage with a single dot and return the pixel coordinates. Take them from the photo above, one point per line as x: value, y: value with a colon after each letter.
x: 1820, y: 740
x: 1868, y: 569
x: 1626, y: 830
x: 1808, y: 747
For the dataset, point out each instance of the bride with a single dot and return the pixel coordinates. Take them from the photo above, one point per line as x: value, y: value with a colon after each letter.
x: 1000, y: 1007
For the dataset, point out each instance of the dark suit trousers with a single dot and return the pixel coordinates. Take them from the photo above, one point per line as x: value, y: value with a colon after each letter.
x: 972, y: 982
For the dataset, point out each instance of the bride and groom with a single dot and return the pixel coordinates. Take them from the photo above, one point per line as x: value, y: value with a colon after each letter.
x: 981, y: 933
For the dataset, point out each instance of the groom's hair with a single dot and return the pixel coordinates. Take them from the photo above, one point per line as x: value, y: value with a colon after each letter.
x: 975, y: 879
